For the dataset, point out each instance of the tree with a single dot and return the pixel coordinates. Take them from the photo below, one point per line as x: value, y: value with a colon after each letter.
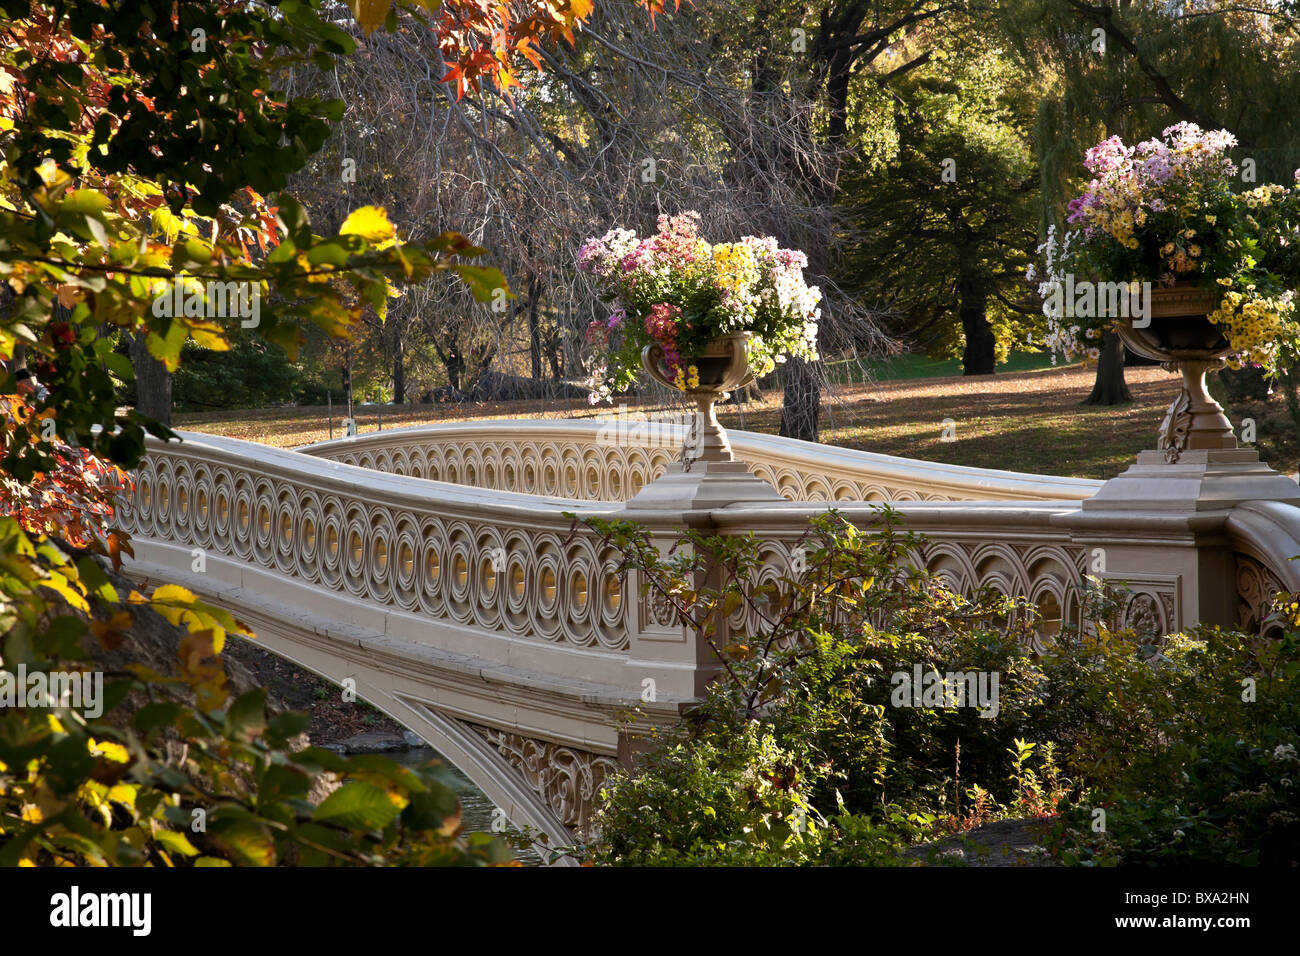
x: 137, y: 152
x: 947, y: 217
x: 854, y: 38
x: 626, y: 124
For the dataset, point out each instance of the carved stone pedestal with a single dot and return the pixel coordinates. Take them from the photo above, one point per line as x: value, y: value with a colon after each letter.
x: 702, y: 485
x: 1202, y: 479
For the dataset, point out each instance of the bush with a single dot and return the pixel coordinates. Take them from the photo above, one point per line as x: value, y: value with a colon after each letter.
x: 805, y: 751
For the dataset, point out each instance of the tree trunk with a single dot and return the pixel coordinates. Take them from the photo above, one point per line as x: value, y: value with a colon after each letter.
x: 1110, y: 387
x: 153, y: 383
x: 1290, y: 383
x: 534, y: 330
x: 980, y: 355
x: 399, y: 370
x: 801, y: 407
x: 554, y: 358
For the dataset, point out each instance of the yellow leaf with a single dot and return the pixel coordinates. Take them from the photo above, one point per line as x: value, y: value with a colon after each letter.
x: 369, y: 222
x: 57, y: 582
x: 125, y: 794
x: 173, y: 592
x: 109, y: 751
x: 206, y: 338
x: 370, y: 14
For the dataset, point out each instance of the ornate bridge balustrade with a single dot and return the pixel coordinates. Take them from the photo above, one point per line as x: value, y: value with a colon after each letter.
x: 476, y: 617
x: 611, y: 459
x: 1225, y: 569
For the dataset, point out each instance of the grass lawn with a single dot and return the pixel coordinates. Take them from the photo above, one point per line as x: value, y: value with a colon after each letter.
x: 897, y: 367
x: 1025, y: 421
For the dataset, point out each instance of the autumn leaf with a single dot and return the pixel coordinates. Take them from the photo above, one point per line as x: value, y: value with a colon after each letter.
x: 174, y: 592
x: 369, y: 222
x: 370, y: 14
x: 111, y: 632
x: 116, y: 543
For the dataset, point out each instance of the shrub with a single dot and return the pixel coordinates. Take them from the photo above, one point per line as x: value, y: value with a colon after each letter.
x: 804, y: 752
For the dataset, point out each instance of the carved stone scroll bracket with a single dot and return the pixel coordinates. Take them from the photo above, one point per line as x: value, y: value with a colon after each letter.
x: 1175, y: 428
x: 568, y: 779
x: 1257, y: 588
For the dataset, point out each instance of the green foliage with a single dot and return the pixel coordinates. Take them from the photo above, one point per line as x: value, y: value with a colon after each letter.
x: 199, y: 62
x: 135, y: 152
x: 946, y: 219
x: 251, y: 375
x: 804, y: 751
x: 1198, y: 764
x: 1225, y: 66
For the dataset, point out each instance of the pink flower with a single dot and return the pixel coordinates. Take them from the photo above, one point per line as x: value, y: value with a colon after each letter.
x: 661, y: 323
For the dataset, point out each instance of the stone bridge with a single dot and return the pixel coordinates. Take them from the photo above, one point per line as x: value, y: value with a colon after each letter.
x: 434, y: 566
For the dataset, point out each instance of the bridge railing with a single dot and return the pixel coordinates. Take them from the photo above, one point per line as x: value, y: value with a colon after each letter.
x: 384, y: 547
x: 477, y: 617
x: 612, y: 459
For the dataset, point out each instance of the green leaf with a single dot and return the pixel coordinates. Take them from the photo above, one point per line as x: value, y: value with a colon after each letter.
x: 83, y: 202
x: 246, y: 717
x: 120, y: 366
x: 437, y: 809
x: 176, y: 842
x: 358, y: 806
x: 158, y: 714
x: 248, y: 841
x: 167, y: 348
x: 483, y: 281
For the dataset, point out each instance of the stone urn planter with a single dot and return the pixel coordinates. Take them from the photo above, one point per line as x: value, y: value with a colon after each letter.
x: 1180, y: 335
x: 1197, y: 465
x: 723, y: 366
x: 708, y: 476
